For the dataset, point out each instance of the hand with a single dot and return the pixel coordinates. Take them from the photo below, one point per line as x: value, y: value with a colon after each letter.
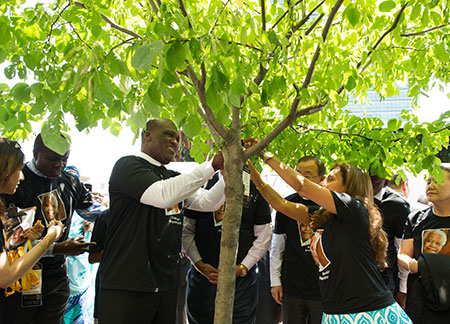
x: 217, y: 161
x: 249, y: 142
x: 400, y: 299
x: 73, y: 247
x: 277, y: 294
x: 34, y: 232
x: 211, y: 273
x: 56, y: 227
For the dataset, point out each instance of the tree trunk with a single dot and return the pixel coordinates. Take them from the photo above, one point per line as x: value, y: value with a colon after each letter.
x: 230, y: 233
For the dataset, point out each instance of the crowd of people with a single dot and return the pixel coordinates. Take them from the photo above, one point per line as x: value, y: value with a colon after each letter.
x: 346, y: 247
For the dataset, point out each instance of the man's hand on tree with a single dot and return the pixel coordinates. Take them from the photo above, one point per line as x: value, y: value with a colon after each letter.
x: 217, y: 161
x: 73, y: 247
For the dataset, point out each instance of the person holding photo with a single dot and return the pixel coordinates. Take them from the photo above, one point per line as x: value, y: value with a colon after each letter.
x: 11, y: 163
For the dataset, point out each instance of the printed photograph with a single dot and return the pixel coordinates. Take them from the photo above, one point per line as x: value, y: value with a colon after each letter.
x: 436, y: 241
x: 52, y: 207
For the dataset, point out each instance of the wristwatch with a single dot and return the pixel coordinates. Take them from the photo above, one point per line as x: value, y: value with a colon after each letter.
x: 243, y: 270
x: 267, y: 155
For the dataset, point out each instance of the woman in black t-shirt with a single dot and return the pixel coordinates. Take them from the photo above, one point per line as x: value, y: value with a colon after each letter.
x: 428, y: 232
x: 11, y: 163
x: 349, y: 244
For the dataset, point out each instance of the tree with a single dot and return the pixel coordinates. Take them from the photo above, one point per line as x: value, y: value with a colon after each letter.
x: 250, y: 68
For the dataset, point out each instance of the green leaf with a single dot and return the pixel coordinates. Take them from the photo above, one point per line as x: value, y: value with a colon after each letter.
x: 192, y: 126
x: 394, y: 124
x: 36, y: 89
x: 351, y: 83
x: 205, y: 148
x: 415, y: 12
x: 21, y: 92
x: 3, y: 87
x: 273, y: 38
x: 115, y: 109
x: 387, y: 6
x: 150, y: 106
x: 238, y: 86
x: 427, y: 163
x: 115, y: 128
x: 3, y: 55
x: 145, y: 55
x: 175, y: 57
x: 353, y: 15
x: 103, y: 89
x: 54, y: 141
x: 154, y: 92
x: 196, y: 49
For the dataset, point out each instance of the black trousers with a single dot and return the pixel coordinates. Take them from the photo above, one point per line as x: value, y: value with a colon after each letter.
x: 134, y: 307
x: 201, y: 294
x: 301, y: 311
x: 268, y: 311
x: 55, y: 294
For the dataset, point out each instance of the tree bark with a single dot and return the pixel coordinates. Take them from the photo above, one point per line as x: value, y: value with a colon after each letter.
x: 234, y: 162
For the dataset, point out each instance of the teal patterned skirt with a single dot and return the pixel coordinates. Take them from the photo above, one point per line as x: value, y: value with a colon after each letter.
x: 393, y: 314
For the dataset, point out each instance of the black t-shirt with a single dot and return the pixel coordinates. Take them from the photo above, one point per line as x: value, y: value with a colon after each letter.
x: 143, y: 243
x: 395, y: 211
x: 54, y: 199
x: 299, y: 273
x: 348, y: 274
x: 208, y: 230
x: 99, y: 231
x: 431, y: 233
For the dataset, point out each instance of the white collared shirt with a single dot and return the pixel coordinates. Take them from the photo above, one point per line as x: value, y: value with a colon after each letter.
x: 185, y: 187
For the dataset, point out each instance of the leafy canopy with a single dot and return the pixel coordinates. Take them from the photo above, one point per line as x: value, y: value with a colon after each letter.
x: 248, y: 68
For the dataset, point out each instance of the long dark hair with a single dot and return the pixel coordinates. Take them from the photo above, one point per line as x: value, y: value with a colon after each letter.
x: 11, y: 160
x: 358, y: 185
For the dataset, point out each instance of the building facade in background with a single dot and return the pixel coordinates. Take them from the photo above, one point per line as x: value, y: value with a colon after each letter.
x: 390, y: 107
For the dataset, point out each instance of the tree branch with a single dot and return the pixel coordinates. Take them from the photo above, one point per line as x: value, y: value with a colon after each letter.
x: 120, y: 44
x: 329, y: 131
x: 79, y: 37
x: 316, y: 22
x: 325, y: 32
x: 284, y: 14
x: 394, y: 25
x: 111, y: 23
x: 306, y: 18
x: 263, y: 14
x: 200, y: 88
x: 185, y: 14
x: 310, y: 110
x: 220, y: 14
x: 154, y: 7
x: 246, y: 45
x: 258, y: 78
x: 54, y: 22
x: 409, y: 48
x: 423, y: 32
